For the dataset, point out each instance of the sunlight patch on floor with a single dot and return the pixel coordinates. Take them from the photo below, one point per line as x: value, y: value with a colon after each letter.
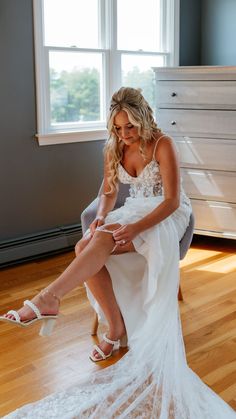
x: 196, y: 255
x: 224, y: 266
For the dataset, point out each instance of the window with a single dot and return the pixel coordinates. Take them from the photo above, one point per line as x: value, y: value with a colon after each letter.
x: 85, y: 50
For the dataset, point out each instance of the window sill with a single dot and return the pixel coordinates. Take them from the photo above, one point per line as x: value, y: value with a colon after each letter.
x: 71, y: 137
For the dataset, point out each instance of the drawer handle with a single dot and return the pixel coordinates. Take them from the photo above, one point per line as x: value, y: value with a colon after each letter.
x: 173, y: 94
x: 173, y: 122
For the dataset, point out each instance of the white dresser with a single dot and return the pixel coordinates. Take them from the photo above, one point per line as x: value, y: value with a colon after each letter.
x: 196, y: 106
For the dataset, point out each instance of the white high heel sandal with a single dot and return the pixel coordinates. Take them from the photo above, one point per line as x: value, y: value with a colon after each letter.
x: 120, y: 343
x: 47, y: 319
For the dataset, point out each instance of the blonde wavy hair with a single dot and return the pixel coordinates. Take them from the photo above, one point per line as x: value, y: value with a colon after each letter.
x: 140, y: 115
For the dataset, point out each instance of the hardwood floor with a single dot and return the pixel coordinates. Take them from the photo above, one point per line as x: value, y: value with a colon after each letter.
x: 33, y: 367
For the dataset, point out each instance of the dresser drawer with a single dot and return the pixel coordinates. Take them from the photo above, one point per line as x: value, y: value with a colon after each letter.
x: 213, y: 216
x: 209, y: 184
x: 196, y: 94
x: 198, y: 123
x: 207, y: 153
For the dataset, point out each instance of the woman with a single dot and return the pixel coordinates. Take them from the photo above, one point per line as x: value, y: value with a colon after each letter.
x: 137, y: 247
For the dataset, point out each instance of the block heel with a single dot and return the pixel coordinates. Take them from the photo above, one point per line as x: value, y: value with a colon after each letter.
x: 47, y: 327
x: 124, y: 341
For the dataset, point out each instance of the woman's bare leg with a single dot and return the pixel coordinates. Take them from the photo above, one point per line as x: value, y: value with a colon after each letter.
x: 89, y: 262
x: 100, y: 286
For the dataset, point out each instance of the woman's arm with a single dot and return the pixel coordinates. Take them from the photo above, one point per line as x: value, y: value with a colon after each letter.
x: 106, y: 202
x: 166, y: 155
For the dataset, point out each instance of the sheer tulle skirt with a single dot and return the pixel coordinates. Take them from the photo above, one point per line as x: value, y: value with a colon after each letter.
x: 152, y: 380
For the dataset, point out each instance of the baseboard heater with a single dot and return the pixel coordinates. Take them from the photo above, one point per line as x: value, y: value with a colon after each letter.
x: 38, y: 245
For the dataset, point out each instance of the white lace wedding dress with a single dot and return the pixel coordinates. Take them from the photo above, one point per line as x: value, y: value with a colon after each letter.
x: 153, y: 380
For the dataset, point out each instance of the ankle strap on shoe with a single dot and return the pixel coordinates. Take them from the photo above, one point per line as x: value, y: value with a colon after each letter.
x: 112, y: 342
x: 50, y: 293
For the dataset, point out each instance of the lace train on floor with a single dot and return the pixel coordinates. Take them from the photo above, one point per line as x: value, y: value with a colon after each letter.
x: 152, y: 380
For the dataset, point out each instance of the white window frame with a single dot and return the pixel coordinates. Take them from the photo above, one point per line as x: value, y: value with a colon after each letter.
x: 111, y: 71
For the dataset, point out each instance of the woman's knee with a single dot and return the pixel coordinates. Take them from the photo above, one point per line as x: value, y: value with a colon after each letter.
x: 80, y: 245
x: 77, y: 249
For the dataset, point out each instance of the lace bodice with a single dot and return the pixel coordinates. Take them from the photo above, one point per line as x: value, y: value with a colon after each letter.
x: 147, y: 183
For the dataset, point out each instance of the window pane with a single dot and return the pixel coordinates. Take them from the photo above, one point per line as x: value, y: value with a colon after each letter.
x: 75, y: 87
x: 71, y: 23
x: 137, y: 72
x: 138, y: 25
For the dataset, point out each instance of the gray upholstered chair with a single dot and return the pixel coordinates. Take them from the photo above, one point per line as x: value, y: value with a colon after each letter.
x: 89, y: 214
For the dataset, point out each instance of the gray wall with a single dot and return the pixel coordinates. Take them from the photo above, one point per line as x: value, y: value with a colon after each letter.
x: 41, y: 187
x: 190, y: 32
x: 207, y: 32
x: 218, y: 32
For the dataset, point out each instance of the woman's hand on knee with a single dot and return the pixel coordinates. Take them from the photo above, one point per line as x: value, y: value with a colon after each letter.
x: 125, y: 234
x: 99, y: 221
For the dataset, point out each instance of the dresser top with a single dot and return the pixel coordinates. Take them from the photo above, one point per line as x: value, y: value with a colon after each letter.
x: 195, y: 73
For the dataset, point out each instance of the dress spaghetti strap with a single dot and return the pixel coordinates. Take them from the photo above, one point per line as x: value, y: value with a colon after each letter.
x: 157, y: 141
